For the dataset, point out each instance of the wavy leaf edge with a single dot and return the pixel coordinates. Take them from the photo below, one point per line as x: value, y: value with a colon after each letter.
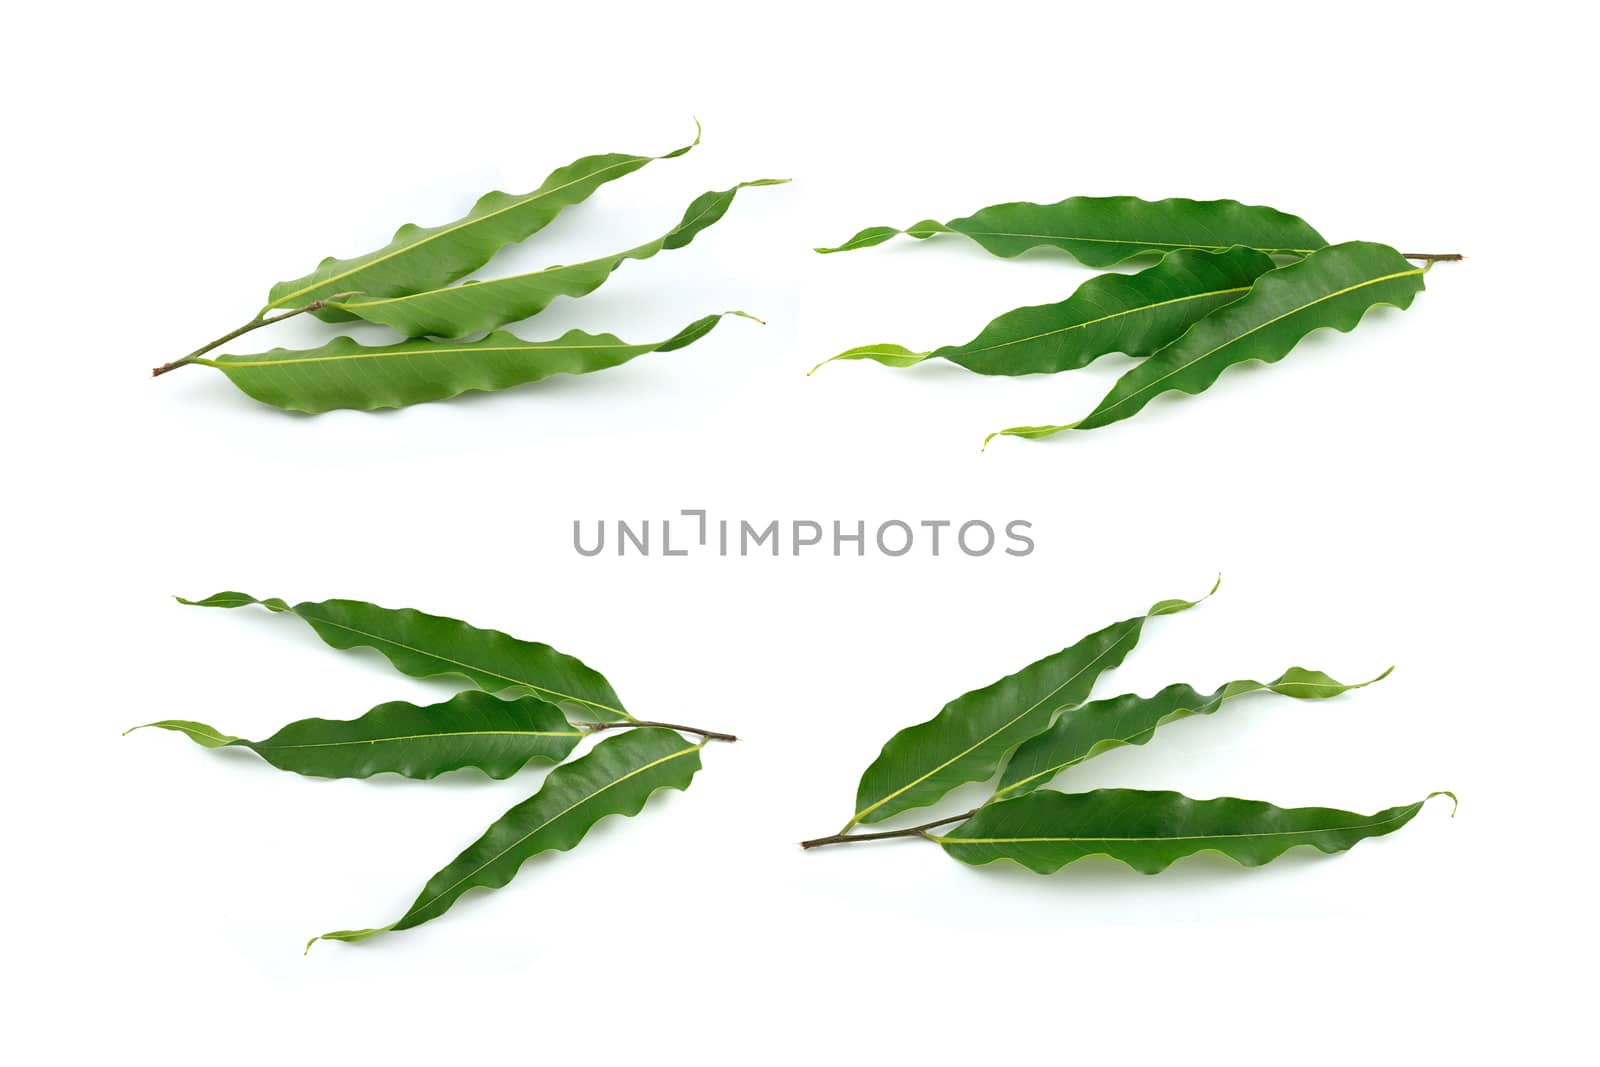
x: 875, y: 811
x: 1409, y: 811
x: 309, y: 283
x: 1271, y: 278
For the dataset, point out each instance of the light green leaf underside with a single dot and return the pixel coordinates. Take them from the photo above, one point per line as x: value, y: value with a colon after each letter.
x: 431, y: 646
x: 476, y: 306
x: 472, y: 729
x: 423, y: 258
x: 1150, y: 830
x: 1102, y: 231
x: 616, y: 778
x: 1332, y: 288
x: 1136, y: 314
x: 344, y: 374
x: 1086, y: 731
x: 970, y: 736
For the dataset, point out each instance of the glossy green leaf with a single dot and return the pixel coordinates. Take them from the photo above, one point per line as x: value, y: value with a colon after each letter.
x: 431, y: 646
x: 423, y: 258
x: 616, y: 778
x: 1332, y: 288
x: 472, y: 729
x: 1136, y: 314
x: 476, y: 306
x: 1102, y: 231
x: 1086, y: 731
x: 1149, y: 830
x: 970, y: 736
x: 344, y: 374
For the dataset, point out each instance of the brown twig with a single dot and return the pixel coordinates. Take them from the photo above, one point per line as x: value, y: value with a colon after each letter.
x: 910, y: 831
x: 1433, y: 257
x: 254, y: 324
x: 709, y: 735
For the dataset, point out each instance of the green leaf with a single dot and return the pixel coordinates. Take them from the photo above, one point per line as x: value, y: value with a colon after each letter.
x: 1149, y: 830
x: 1331, y: 288
x: 616, y: 778
x: 476, y: 306
x: 1102, y: 231
x: 1093, y: 728
x: 344, y: 374
x: 472, y: 729
x: 421, y: 258
x: 431, y: 646
x: 1136, y: 314
x: 969, y: 737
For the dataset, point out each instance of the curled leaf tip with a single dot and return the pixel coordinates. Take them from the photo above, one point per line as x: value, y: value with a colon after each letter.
x: 313, y: 941
x: 991, y: 437
x: 1454, y: 803
x: 746, y: 315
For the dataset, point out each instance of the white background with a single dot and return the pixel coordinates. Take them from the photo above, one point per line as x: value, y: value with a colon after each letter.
x: 1419, y: 492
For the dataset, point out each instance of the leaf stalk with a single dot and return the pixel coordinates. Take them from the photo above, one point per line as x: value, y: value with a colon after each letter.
x: 709, y: 735
x: 881, y: 835
x: 254, y: 324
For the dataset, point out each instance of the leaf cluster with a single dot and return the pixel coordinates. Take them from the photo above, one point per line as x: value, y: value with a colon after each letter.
x: 449, y: 337
x: 1032, y: 726
x: 529, y: 704
x: 1231, y: 283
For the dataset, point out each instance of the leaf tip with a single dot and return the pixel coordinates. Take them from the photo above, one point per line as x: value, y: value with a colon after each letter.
x: 1454, y: 803
x: 747, y: 315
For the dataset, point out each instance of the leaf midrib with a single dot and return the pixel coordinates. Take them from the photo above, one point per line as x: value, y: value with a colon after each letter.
x: 532, y: 346
x: 1411, y: 809
x: 1107, y: 318
x: 1255, y: 329
x: 529, y: 198
x: 547, y: 823
x: 616, y: 260
x: 1218, y: 698
x: 459, y: 663
x: 1124, y: 241
x: 999, y: 730
x: 1050, y: 772
x: 260, y: 745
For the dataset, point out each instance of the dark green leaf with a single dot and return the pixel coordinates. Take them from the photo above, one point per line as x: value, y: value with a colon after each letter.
x: 616, y: 778
x: 970, y: 736
x: 1131, y: 719
x: 344, y: 374
x: 1331, y: 288
x: 1045, y: 830
x: 421, y: 258
x: 1102, y: 231
x: 1136, y: 314
x: 476, y: 306
x: 472, y: 729
x: 430, y: 646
